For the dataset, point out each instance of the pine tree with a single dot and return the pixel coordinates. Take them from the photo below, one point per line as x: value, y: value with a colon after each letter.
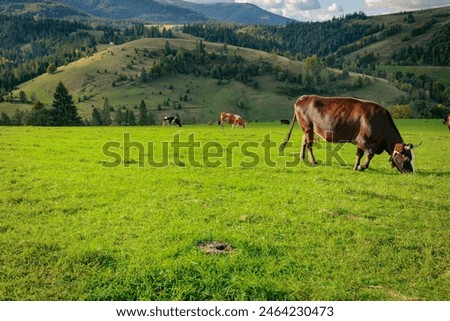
x: 22, y: 97
x: 106, y: 113
x: 96, y: 118
x: 144, y: 75
x: 18, y: 118
x: 5, y: 120
x: 131, y: 119
x: 143, y: 116
x: 119, y: 118
x: 65, y: 112
x: 40, y: 116
x: 51, y: 69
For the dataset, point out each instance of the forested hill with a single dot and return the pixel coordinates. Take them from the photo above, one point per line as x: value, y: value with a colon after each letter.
x: 413, y: 38
x: 29, y: 46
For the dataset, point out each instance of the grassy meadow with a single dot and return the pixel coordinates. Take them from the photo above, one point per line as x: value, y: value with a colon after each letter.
x: 74, y: 227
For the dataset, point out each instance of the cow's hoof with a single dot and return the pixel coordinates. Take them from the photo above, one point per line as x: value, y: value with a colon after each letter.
x: 360, y: 168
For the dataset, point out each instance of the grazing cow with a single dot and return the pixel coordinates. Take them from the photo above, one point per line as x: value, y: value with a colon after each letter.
x: 284, y: 121
x: 171, y: 121
x: 447, y: 121
x: 366, y: 124
x: 232, y: 119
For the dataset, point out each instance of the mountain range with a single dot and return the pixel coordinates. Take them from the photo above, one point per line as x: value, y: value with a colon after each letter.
x: 148, y: 11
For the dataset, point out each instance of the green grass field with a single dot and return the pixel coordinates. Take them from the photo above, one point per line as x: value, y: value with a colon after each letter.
x: 72, y: 228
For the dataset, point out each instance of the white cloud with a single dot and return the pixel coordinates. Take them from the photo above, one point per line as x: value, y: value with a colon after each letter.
x: 405, y: 4
x: 311, y: 10
x: 335, y: 8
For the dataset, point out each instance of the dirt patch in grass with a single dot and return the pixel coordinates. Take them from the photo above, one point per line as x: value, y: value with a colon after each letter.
x: 216, y: 247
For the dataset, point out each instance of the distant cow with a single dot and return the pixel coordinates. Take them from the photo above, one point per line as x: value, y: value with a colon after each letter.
x: 447, y: 121
x: 233, y: 119
x: 284, y: 121
x: 366, y: 124
x: 171, y: 121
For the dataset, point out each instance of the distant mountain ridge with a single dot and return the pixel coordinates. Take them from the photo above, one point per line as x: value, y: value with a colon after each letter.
x: 146, y: 10
x: 243, y: 13
x: 149, y: 11
x: 46, y: 8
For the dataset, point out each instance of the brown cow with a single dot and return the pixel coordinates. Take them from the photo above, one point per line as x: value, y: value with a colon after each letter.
x: 447, y: 121
x: 366, y: 124
x: 232, y: 119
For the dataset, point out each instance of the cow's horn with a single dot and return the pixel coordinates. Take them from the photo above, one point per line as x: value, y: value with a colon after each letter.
x: 416, y: 145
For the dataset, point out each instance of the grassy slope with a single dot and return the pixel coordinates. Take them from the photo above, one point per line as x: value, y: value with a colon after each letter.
x: 71, y: 229
x: 87, y: 77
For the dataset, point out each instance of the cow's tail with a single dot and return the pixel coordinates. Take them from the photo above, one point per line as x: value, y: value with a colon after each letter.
x: 288, y: 136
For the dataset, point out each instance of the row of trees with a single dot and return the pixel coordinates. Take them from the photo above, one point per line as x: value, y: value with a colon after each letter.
x: 107, y: 116
x: 298, y: 39
x: 63, y: 112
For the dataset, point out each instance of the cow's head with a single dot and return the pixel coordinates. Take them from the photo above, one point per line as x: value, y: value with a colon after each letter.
x: 402, y: 158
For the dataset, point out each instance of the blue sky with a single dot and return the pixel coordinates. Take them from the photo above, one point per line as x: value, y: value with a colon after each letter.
x: 314, y: 10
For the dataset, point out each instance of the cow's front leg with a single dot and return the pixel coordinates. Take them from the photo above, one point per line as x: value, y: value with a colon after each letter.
x: 359, y: 155
x: 366, y: 163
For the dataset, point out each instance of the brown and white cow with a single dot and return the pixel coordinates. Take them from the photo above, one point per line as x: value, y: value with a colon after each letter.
x: 366, y: 124
x: 447, y: 121
x: 233, y: 119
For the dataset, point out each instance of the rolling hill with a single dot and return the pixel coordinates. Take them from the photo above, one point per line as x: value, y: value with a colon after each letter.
x: 114, y: 73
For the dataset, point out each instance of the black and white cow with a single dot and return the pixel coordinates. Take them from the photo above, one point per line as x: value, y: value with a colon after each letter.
x: 171, y: 120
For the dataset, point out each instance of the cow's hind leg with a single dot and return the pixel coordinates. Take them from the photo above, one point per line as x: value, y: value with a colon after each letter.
x: 303, y: 149
x: 309, y: 136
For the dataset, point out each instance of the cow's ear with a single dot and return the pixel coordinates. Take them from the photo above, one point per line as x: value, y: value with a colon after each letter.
x: 398, y: 147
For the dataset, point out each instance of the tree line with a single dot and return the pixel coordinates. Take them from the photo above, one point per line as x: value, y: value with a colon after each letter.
x: 296, y: 39
x: 63, y: 112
